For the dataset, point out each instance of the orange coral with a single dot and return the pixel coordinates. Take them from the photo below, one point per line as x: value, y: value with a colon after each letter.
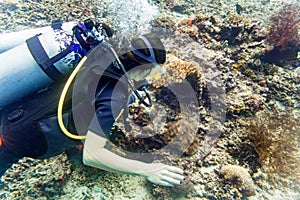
x: 176, y: 71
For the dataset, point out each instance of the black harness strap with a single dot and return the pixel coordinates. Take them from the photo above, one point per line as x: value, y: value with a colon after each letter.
x: 37, y: 51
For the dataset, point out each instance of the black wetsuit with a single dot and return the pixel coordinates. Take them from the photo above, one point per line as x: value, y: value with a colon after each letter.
x: 30, y: 128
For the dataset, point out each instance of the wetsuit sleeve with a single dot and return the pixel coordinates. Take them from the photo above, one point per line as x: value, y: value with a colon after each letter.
x: 108, y: 105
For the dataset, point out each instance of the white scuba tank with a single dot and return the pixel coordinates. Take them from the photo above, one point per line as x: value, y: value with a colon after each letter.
x: 25, y: 67
x: 13, y: 39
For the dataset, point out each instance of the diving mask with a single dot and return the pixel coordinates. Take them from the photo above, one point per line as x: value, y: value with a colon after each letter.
x: 157, y: 70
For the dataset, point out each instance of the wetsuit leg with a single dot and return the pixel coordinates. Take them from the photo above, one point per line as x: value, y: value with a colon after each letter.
x: 57, y: 141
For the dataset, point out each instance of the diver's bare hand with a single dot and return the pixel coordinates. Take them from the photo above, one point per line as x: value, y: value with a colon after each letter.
x: 164, y: 175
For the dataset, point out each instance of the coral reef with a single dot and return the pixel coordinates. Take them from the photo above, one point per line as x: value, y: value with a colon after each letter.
x: 42, y: 13
x: 181, y: 135
x: 178, y: 136
x: 174, y: 127
x: 40, y: 179
x: 233, y: 34
x: 284, y: 28
x: 165, y: 22
x: 240, y: 40
x: 178, y: 191
x: 246, y: 101
x: 239, y: 178
x: 284, y: 35
x: 274, y: 137
x: 284, y: 87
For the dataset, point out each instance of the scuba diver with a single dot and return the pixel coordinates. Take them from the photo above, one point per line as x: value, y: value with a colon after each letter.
x: 64, y: 85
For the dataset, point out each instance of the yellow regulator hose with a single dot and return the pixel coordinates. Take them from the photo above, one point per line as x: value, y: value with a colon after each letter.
x: 62, y: 99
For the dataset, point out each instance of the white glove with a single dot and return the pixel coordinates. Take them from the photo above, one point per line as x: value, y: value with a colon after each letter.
x: 164, y: 175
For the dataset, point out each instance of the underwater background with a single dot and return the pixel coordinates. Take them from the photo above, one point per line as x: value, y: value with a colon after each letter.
x: 242, y: 59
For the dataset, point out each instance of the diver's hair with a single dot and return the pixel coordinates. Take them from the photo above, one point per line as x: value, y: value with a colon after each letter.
x: 131, y: 60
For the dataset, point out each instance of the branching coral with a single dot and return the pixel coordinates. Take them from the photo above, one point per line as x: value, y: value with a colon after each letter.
x: 274, y: 137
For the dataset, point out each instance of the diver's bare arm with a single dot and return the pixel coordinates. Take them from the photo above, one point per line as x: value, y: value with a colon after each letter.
x: 96, y: 155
